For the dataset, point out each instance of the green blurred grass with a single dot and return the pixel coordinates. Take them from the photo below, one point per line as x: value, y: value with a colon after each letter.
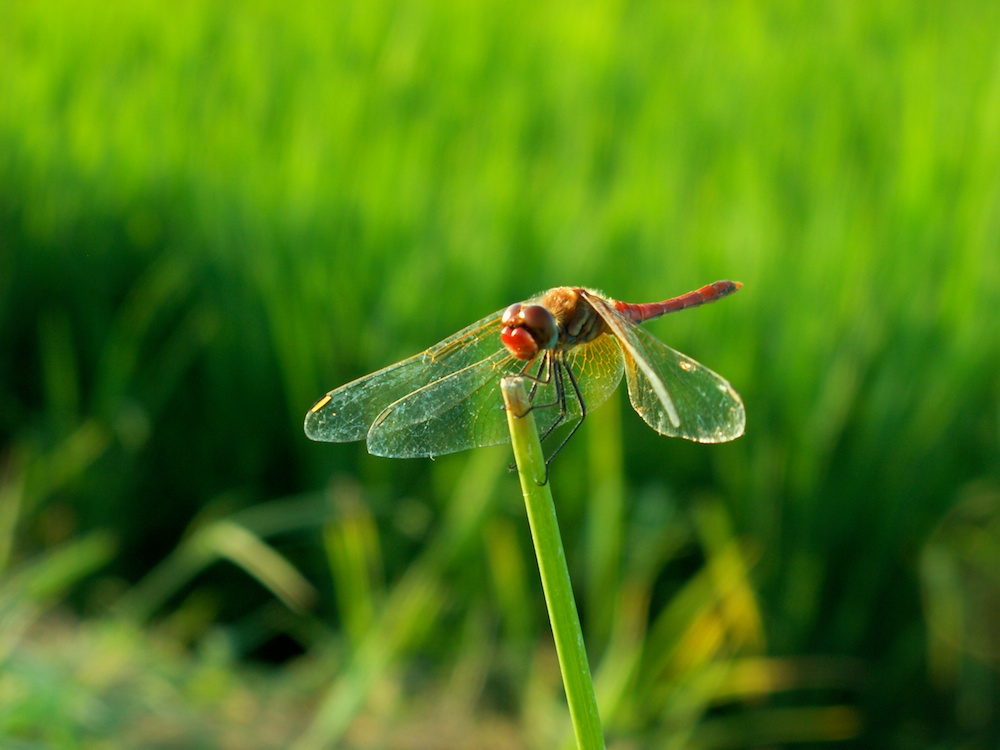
x: 210, y: 216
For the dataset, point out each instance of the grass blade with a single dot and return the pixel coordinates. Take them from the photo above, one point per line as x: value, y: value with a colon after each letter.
x: 563, y: 615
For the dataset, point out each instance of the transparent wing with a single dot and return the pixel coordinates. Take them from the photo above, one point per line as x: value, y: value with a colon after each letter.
x: 465, y: 408
x: 675, y: 395
x: 598, y: 367
x: 462, y: 410
x: 347, y: 413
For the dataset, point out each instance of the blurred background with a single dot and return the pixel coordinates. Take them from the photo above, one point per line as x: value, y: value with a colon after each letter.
x: 211, y: 214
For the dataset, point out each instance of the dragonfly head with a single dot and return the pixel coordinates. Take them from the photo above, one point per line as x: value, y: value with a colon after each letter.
x: 527, y: 330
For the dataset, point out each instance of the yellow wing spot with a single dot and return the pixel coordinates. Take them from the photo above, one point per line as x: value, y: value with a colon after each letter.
x: 321, y: 403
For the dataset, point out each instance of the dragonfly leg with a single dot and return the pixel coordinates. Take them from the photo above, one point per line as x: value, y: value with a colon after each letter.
x: 553, y: 375
x: 555, y: 372
x: 560, y: 387
x: 545, y: 366
x: 562, y: 367
x: 548, y: 372
x: 583, y: 413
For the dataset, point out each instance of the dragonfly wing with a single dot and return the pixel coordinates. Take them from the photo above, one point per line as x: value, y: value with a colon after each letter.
x: 598, y: 367
x: 461, y: 410
x: 347, y: 413
x: 465, y: 408
x: 675, y: 395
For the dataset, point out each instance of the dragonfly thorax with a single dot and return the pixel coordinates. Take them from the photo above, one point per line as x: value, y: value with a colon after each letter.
x: 576, y: 318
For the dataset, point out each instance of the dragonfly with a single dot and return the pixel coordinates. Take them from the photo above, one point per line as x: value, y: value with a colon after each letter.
x: 573, y: 345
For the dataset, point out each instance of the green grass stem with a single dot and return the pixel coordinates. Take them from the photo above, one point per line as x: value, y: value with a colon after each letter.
x: 559, y: 599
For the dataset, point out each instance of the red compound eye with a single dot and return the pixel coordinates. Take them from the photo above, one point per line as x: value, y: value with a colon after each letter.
x: 527, y: 330
x: 540, y: 322
x: 512, y: 315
